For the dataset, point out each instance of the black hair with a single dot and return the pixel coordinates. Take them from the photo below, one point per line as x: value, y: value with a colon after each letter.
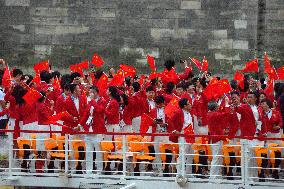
x: 95, y: 88
x: 18, y: 93
x: 127, y: 81
x: 125, y: 99
x: 66, y: 87
x: 55, y: 74
x: 65, y: 80
x: 136, y: 86
x: 154, y: 81
x: 267, y: 101
x: 159, y: 99
x: 75, y: 75
x: 45, y: 76
x: 98, y: 74
x: 203, y: 82
x: 150, y: 88
x: 180, y: 85
x: 212, y: 105
x: 17, y: 72
x: 43, y: 95
x: 170, y: 87
x: 114, y: 93
x: 29, y: 80
x: 182, y: 102
x: 190, y: 75
x: 169, y: 64
x: 234, y: 84
x: 73, y: 87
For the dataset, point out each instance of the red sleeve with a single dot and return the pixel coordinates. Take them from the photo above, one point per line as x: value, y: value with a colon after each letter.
x: 112, y: 109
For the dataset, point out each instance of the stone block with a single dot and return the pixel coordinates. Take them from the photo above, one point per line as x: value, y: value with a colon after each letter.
x: 157, y: 33
x: 190, y: 4
x: 48, y: 12
x: 221, y: 56
x: 240, y: 44
x: 20, y: 28
x: 220, y: 44
x: 220, y: 34
x: 240, y: 24
x: 23, y: 3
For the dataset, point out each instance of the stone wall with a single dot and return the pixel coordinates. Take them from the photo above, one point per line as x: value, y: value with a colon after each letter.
x: 68, y: 31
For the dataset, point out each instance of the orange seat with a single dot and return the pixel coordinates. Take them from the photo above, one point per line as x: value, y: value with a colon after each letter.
x: 21, y: 142
x: 258, y: 152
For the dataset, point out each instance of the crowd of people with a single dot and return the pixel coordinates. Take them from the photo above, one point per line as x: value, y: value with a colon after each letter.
x: 168, y: 102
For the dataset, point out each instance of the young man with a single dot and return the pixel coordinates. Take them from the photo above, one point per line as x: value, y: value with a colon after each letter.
x: 181, y: 120
x: 93, y: 121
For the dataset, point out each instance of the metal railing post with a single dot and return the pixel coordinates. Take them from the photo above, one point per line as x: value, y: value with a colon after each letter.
x: 10, y: 155
x: 182, y: 157
x: 66, y: 153
x: 244, y: 161
x: 124, y: 153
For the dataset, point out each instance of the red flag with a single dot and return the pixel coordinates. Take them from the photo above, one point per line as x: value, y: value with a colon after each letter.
x: 102, y: 83
x: 153, y: 75
x: 97, y: 60
x: 216, y: 89
x: 172, y: 107
x: 251, y: 66
x: 36, y: 79
x: 142, y: 79
x: 224, y: 87
x: 204, y: 64
x: 151, y: 62
x: 189, y: 131
x: 273, y: 74
x: 128, y: 70
x: 83, y: 65
x: 76, y: 68
x: 269, y: 90
x: 267, y: 66
x: 170, y: 76
x: 280, y: 72
x: 32, y: 96
x: 44, y: 65
x: 59, y: 116
x: 209, y: 90
x: 240, y: 77
x: 117, y: 79
x: 146, y: 122
x: 6, y: 79
x: 197, y: 63
x: 56, y: 84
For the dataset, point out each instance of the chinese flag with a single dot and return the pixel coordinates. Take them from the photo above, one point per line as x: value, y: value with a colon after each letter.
x: 224, y: 87
x: 38, y: 67
x: 151, y: 62
x: 102, y: 83
x: 97, y: 60
x: 280, y: 72
x: 146, y: 122
x: 267, y: 66
x: 172, y: 107
x: 189, y: 131
x: 153, y: 75
x: 6, y: 79
x: 59, y: 116
x: 251, y: 66
x: 128, y: 70
x: 269, y: 90
x: 32, y: 96
x: 83, y: 65
x: 204, y: 64
x: 56, y: 84
x: 240, y: 77
x: 209, y: 91
x: 76, y: 68
x: 36, y: 79
x: 170, y: 76
x: 273, y: 74
x: 117, y: 79
x: 197, y: 63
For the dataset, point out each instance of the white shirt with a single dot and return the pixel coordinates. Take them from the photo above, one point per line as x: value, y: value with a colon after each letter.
x: 187, y: 119
x: 269, y: 114
x: 76, y: 102
x: 255, y: 112
x: 2, y: 95
x: 151, y: 104
x: 161, y: 114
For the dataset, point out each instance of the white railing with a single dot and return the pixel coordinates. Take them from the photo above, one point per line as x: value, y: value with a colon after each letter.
x: 133, y: 157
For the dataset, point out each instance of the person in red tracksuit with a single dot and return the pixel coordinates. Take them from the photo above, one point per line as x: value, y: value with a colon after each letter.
x: 181, y: 120
x: 125, y: 115
x: 112, y: 112
x: 251, y: 126
x: 93, y: 121
x: 75, y: 105
x: 216, y: 126
x: 272, y: 121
